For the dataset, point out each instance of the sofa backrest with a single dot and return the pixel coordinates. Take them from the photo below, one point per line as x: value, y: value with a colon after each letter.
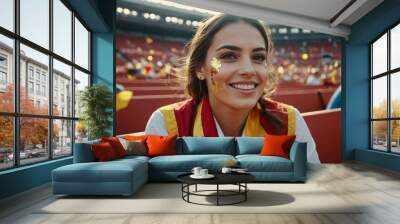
x: 205, y: 145
x: 83, y: 152
x: 249, y: 145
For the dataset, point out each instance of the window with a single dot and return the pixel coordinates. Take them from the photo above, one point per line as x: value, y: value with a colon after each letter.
x: 3, y: 61
x: 30, y: 72
x: 44, y: 91
x: 30, y: 87
x: 3, y: 71
x: 3, y: 78
x: 38, y: 89
x: 37, y: 74
x: 7, y: 90
x: 385, y: 94
x: 39, y: 81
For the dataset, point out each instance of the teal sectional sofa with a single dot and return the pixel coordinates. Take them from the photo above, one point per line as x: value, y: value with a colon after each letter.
x: 125, y: 176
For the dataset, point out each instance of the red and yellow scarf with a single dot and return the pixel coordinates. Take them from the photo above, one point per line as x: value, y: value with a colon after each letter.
x: 181, y: 120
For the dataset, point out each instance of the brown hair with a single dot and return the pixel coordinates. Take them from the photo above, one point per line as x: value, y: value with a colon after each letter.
x: 197, y: 52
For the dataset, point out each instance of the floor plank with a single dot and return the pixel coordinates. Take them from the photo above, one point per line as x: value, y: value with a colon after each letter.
x: 375, y: 189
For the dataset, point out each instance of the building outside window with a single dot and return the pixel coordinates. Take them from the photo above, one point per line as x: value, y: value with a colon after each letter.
x: 3, y: 72
x: 385, y: 94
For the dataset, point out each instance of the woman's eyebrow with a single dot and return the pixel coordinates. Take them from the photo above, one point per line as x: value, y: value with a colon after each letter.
x: 230, y: 47
x: 235, y: 48
x: 259, y: 49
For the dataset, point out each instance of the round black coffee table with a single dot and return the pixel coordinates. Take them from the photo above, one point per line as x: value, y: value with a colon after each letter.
x: 238, y: 179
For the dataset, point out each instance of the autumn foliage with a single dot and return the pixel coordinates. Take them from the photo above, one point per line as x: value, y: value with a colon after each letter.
x: 33, y: 131
x: 380, y: 127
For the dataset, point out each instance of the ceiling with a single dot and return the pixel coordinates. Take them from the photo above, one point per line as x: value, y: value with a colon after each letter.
x: 326, y: 16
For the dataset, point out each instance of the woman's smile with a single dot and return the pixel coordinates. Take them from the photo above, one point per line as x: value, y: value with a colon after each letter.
x: 244, y: 87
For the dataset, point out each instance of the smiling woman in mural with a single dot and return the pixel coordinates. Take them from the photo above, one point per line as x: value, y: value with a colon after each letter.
x: 229, y: 83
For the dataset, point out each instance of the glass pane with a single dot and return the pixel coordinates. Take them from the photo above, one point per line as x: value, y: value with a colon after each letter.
x: 6, y: 74
x: 34, y: 92
x: 395, y: 136
x: 35, y: 21
x: 62, y: 138
x: 62, y: 29
x: 379, y: 55
x: 395, y: 47
x: 33, y: 139
x: 7, y: 14
x: 62, y: 89
x: 81, y: 45
x: 379, y: 98
x: 81, y: 81
x: 6, y: 142
x: 379, y: 135
x: 81, y: 132
x: 395, y: 94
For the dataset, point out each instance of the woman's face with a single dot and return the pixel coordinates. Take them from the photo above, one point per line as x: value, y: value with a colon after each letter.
x: 235, y: 67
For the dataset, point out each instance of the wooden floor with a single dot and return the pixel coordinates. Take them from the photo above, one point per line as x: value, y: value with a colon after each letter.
x: 377, y: 188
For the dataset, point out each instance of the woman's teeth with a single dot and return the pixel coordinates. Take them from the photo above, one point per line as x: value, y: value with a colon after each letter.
x: 244, y: 86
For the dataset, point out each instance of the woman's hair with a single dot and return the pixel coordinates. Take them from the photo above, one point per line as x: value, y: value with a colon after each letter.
x: 197, y: 52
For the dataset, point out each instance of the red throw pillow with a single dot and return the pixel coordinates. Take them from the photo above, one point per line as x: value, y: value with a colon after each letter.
x: 103, y: 151
x: 116, y: 145
x: 277, y: 145
x: 161, y: 145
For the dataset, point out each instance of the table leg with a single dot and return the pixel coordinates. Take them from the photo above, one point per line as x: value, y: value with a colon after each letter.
x: 217, y: 194
x: 196, y: 188
x: 245, y: 191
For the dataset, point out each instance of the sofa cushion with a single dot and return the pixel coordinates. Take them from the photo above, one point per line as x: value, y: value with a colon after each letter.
x: 185, y: 163
x: 257, y: 163
x: 277, y: 145
x: 249, y: 145
x: 134, y: 147
x: 161, y: 145
x: 206, y: 145
x: 116, y: 145
x: 103, y: 151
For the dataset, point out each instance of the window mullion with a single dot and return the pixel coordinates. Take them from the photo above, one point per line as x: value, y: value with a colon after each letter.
x: 50, y: 79
x: 73, y: 82
x: 16, y: 84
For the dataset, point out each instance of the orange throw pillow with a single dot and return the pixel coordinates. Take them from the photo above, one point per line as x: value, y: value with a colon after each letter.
x: 116, y: 145
x: 277, y: 145
x: 103, y: 152
x: 136, y: 137
x: 161, y: 145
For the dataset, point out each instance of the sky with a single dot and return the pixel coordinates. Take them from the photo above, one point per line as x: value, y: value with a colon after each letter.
x: 35, y: 27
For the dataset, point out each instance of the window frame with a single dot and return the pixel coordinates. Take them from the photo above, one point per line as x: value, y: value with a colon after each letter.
x: 16, y: 115
x: 388, y: 74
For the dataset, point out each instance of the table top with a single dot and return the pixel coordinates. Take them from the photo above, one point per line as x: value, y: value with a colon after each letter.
x: 220, y: 178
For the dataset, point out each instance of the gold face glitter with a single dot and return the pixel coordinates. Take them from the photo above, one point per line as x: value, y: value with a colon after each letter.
x: 215, y: 68
x: 215, y: 64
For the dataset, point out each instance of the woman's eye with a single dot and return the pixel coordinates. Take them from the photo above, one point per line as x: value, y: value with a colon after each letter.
x: 259, y: 58
x: 228, y: 56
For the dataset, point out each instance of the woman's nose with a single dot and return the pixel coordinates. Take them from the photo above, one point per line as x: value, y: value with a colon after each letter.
x: 247, y: 67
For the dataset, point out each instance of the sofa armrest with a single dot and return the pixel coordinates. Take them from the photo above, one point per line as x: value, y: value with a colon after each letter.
x: 83, y: 152
x: 298, y: 155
